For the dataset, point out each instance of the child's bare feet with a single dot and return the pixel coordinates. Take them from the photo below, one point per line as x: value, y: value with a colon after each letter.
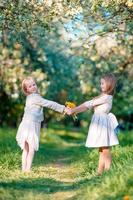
x: 99, y: 173
x: 26, y: 171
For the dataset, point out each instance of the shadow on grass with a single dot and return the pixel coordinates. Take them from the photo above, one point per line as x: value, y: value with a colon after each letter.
x: 47, y: 185
x: 69, y: 138
x: 52, y: 153
x: 64, y: 149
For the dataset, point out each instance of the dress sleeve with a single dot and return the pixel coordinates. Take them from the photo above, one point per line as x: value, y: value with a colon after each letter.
x: 49, y: 104
x: 98, y: 101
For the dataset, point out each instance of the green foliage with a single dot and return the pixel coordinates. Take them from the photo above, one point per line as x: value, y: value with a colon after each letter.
x: 13, y: 70
x: 112, y: 4
x: 66, y: 46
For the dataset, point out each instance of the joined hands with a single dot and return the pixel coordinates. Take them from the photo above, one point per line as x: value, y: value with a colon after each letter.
x: 68, y: 111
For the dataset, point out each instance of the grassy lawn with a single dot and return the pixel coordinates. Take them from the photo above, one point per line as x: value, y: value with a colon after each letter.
x: 64, y: 169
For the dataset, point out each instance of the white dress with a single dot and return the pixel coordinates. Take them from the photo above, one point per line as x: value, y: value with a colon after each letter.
x: 101, y: 131
x: 29, y: 128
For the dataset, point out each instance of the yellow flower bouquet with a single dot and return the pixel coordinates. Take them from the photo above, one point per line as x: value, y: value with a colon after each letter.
x: 71, y: 105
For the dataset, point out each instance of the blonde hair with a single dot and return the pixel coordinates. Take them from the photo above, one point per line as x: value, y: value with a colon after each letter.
x: 24, y: 84
x: 110, y: 81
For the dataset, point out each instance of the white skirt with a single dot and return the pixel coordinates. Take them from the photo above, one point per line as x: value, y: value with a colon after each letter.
x: 101, y: 131
x: 28, y: 131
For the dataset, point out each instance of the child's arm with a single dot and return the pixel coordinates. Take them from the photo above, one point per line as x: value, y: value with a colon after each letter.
x: 90, y: 104
x: 102, y: 100
x: 78, y: 109
x: 49, y: 104
x: 98, y: 101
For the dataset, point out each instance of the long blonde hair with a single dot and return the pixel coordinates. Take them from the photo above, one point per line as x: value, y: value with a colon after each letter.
x: 110, y: 80
x: 24, y: 84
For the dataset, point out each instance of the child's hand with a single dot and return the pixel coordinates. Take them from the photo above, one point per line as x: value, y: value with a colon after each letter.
x: 68, y: 111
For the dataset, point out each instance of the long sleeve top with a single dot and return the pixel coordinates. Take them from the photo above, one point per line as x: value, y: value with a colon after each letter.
x: 101, y: 104
x: 34, y: 107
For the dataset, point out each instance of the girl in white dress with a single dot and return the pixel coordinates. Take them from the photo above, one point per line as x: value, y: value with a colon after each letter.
x: 101, y: 132
x: 29, y: 129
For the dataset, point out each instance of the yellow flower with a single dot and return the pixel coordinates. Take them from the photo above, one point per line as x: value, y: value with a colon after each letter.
x: 126, y: 198
x: 69, y: 104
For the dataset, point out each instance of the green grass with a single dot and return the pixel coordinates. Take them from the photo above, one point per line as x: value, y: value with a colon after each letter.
x: 64, y: 169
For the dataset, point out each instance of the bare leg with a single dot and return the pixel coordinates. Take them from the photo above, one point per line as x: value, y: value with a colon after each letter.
x: 108, y: 158
x: 24, y: 156
x: 29, y: 158
x: 101, y: 164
